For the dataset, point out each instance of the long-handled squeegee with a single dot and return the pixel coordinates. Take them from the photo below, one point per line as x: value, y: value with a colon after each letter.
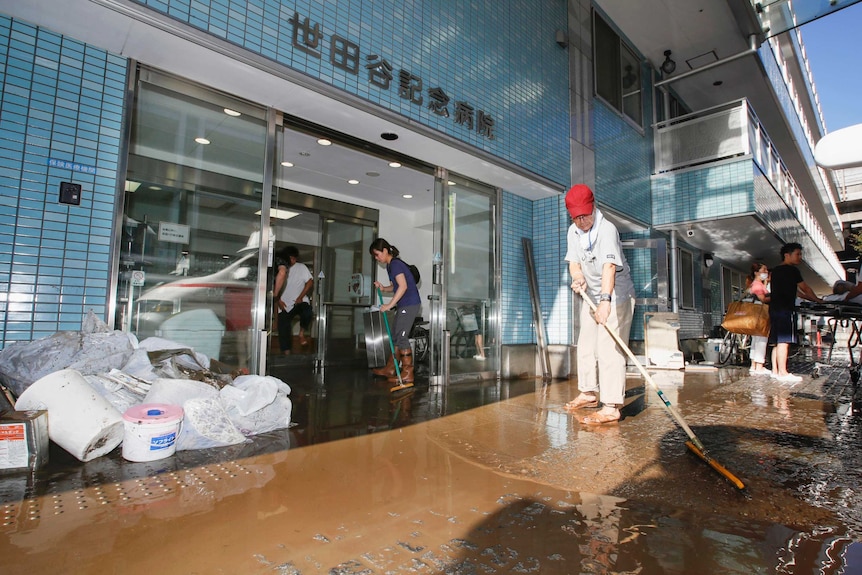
x: 694, y: 444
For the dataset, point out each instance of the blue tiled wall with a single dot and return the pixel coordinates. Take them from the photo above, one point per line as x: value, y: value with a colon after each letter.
x: 707, y: 193
x: 550, y: 224
x: 502, y: 61
x: 61, y: 111
x: 516, y: 308
x: 623, y: 164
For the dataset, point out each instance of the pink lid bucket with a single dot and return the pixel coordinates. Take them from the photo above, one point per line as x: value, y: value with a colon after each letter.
x: 156, y: 413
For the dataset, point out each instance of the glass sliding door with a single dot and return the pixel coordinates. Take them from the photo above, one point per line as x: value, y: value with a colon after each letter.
x: 468, y: 304
x: 188, y: 260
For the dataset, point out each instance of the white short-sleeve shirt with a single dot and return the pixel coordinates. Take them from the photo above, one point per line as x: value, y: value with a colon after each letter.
x: 604, y: 246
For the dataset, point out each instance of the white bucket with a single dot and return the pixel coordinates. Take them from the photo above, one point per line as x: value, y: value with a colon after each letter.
x: 79, y: 419
x: 151, y: 431
x: 710, y: 350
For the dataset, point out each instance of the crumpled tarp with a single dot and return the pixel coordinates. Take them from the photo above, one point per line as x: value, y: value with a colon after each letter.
x: 219, y: 410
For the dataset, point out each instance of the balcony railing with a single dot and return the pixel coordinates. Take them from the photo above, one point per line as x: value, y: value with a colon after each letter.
x: 729, y: 131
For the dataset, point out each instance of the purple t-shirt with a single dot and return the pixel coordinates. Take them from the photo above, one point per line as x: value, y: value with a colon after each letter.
x: 411, y: 296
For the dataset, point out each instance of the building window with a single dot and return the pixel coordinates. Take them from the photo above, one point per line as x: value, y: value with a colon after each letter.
x: 617, y: 72
x: 732, y: 286
x: 686, y: 283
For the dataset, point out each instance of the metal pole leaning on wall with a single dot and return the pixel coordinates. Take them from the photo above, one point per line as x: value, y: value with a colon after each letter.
x: 544, y: 356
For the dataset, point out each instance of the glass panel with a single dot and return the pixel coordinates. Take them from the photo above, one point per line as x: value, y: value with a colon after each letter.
x: 607, y: 62
x: 470, y: 278
x: 631, y: 82
x: 347, y: 288
x: 188, y: 266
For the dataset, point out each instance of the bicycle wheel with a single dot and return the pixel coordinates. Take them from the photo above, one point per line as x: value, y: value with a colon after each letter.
x: 727, y: 348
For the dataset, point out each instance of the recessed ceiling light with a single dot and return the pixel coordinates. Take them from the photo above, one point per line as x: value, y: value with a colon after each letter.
x: 372, y: 174
x: 718, y: 83
x: 407, y: 196
x: 287, y: 164
x: 450, y: 182
x: 203, y: 141
x: 233, y: 113
x: 324, y: 142
x: 156, y: 188
x: 389, y: 136
x: 353, y: 182
x: 394, y: 164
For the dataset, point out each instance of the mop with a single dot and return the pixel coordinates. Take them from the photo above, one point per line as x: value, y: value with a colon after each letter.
x: 401, y: 385
x: 694, y: 444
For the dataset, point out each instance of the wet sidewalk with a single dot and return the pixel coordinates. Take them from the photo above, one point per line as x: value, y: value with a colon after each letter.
x: 477, y: 478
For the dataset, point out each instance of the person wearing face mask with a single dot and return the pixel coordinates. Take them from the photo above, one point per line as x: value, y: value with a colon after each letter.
x: 599, y: 271
x: 757, y: 282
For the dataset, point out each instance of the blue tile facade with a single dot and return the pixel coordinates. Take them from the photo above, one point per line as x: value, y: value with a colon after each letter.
x: 703, y: 194
x: 550, y: 225
x: 623, y: 164
x: 501, y: 62
x: 515, y: 302
x: 61, y: 116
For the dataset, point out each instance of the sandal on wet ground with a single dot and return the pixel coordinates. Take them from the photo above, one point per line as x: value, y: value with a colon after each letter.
x: 582, y: 401
x: 599, y: 418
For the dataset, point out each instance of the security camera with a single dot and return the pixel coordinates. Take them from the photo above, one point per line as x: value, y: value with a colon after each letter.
x: 689, y: 233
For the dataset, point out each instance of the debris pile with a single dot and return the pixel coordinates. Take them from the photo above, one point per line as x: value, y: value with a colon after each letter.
x: 221, y: 407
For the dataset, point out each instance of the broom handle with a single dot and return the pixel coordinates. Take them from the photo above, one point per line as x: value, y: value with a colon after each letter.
x: 391, y: 344
x: 646, y: 375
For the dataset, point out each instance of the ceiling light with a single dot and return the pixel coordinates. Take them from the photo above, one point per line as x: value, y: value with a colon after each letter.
x: 132, y: 186
x: 287, y: 164
x: 156, y: 188
x: 394, y: 164
x: 372, y: 174
x: 203, y: 141
x: 233, y: 113
x: 389, y: 136
x: 275, y: 213
x: 353, y: 182
x: 324, y: 142
x: 407, y: 196
x: 450, y: 182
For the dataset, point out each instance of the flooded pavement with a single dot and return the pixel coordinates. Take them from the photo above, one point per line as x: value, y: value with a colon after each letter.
x: 481, y: 478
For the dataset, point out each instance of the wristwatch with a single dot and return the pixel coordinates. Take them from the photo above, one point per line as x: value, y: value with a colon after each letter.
x: 605, y: 297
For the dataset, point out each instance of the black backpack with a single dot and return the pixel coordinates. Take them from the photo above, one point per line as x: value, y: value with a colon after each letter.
x: 414, y: 271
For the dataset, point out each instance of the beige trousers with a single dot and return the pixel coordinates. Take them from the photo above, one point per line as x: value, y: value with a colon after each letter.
x: 601, y: 362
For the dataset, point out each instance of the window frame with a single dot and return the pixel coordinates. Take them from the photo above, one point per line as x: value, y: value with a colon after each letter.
x: 613, y: 61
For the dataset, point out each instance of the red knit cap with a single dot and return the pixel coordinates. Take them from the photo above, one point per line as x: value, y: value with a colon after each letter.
x: 580, y: 200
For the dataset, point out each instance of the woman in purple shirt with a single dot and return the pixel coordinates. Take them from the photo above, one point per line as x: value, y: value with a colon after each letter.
x: 407, y: 303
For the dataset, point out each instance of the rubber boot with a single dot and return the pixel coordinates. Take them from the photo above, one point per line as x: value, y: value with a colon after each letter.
x: 387, y: 370
x: 406, y: 370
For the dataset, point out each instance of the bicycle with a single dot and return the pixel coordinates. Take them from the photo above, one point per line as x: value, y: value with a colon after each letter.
x: 735, y: 346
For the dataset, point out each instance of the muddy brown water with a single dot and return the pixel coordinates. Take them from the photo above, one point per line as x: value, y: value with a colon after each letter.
x: 511, y: 486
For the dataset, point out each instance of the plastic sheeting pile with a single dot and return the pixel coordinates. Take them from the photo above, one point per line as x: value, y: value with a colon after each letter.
x: 220, y: 409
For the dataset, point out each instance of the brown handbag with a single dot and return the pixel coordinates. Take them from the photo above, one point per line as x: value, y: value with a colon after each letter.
x: 747, y: 318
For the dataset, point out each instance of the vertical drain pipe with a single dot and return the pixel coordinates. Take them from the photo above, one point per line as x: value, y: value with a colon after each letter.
x: 544, y: 356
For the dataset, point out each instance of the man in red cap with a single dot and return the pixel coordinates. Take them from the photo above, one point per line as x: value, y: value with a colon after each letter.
x: 599, y: 271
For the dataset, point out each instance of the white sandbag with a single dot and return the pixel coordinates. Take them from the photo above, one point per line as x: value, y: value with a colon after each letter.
x: 274, y: 416
x: 79, y: 419
x: 257, y: 404
x: 179, y: 391
x: 206, y: 425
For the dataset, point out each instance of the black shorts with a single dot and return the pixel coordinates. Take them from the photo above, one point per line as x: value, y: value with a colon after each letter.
x: 782, y: 328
